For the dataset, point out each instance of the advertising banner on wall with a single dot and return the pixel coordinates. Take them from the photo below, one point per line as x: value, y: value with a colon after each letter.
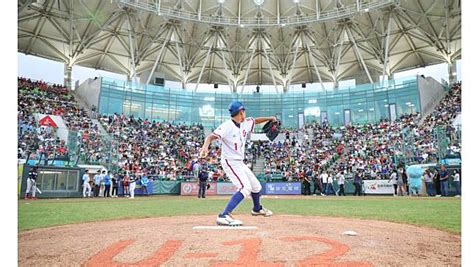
x: 283, y: 188
x: 378, y: 187
x: 226, y: 188
x: 192, y: 189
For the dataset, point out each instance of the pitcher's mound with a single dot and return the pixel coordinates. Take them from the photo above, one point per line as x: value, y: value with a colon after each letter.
x: 280, y: 240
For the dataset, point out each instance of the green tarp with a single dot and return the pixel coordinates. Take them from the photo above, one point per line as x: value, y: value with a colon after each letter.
x: 166, y: 187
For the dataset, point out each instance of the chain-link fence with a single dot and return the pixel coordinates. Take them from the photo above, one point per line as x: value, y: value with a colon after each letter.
x: 96, y: 149
x: 441, y: 143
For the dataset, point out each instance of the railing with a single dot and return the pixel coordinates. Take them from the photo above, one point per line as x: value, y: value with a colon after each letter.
x: 338, y: 13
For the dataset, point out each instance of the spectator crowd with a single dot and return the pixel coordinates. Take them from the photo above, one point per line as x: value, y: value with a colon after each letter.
x: 320, y: 153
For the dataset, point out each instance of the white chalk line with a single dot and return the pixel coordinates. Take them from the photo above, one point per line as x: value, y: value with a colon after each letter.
x: 207, y: 227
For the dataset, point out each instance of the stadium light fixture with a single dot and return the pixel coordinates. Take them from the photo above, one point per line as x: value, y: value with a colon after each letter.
x: 366, y: 10
x: 408, y: 103
x: 283, y: 24
x: 220, y: 1
x: 242, y: 25
x: 296, y: 1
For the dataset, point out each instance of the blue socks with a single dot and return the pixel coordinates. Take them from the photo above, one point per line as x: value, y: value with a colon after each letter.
x: 256, y: 202
x: 236, y: 198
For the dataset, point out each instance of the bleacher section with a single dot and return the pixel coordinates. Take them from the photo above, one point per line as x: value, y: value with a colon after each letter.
x: 128, y: 144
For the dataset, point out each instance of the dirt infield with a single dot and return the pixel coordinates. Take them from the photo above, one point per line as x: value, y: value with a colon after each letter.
x: 280, y: 240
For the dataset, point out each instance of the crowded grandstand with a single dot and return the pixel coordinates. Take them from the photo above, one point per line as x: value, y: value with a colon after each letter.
x: 167, y: 150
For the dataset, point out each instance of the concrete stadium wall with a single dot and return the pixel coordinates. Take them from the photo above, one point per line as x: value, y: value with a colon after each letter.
x: 89, y: 91
x: 431, y: 93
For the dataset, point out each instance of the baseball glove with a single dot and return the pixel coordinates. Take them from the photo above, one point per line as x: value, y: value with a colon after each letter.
x: 272, y: 129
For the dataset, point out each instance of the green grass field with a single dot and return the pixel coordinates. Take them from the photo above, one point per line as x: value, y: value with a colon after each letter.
x: 440, y: 213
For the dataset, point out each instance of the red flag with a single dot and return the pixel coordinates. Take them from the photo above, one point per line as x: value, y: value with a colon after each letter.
x: 47, y: 121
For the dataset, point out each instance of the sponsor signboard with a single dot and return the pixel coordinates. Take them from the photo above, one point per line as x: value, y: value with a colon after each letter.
x: 383, y: 187
x: 451, y: 161
x: 226, y: 188
x: 283, y: 188
x: 192, y: 189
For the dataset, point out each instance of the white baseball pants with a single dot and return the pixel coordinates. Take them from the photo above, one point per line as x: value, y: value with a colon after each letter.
x: 86, y: 187
x: 241, y: 176
x: 132, y: 189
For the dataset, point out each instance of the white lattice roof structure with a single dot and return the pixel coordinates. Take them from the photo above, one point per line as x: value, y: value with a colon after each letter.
x: 238, y: 42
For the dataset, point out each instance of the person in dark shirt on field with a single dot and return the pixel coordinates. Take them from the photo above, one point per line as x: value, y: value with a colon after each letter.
x: 443, y: 179
x: 358, y: 183
x: 115, y: 184
x: 31, y: 183
x: 307, y: 181
x: 202, y: 181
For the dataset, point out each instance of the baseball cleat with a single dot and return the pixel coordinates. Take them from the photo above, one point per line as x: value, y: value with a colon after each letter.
x: 263, y: 211
x: 227, y: 220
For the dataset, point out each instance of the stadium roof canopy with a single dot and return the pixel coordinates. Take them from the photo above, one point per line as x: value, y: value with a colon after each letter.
x: 244, y: 41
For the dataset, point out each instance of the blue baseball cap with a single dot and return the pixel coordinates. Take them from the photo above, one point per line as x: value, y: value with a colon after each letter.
x: 234, y: 107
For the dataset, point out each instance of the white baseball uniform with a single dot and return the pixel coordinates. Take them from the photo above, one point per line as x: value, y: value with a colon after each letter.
x: 31, y: 187
x: 233, y: 139
x: 132, y: 186
x: 86, y: 187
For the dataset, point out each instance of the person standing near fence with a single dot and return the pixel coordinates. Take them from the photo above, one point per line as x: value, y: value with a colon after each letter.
x: 317, y: 183
x: 457, y: 182
x: 144, y: 181
x: 428, y: 177
x: 341, y: 181
x: 107, y: 184
x: 329, y: 186
x: 306, y: 182
x: 115, y: 184
x: 126, y: 184
x: 31, y: 183
x: 203, y: 176
x: 394, y: 181
x: 443, y: 179
x: 133, y: 180
x: 86, y: 187
x: 400, y: 183
x: 358, y: 183
x: 97, y: 182
x: 324, y: 179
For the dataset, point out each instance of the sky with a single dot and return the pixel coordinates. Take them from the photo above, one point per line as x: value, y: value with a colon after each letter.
x: 34, y: 67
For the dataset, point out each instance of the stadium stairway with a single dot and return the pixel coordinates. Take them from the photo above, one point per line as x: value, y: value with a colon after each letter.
x: 259, y: 166
x: 88, y: 110
x: 434, y: 102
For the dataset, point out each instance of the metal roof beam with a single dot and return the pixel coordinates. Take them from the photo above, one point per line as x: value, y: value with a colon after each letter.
x: 359, y: 54
x: 248, y: 68
x: 408, y: 40
x: 403, y: 14
x: 86, y: 38
x: 110, y: 42
x: 314, y: 62
x: 158, y: 58
x: 54, y: 49
x: 387, y: 45
x: 29, y: 17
